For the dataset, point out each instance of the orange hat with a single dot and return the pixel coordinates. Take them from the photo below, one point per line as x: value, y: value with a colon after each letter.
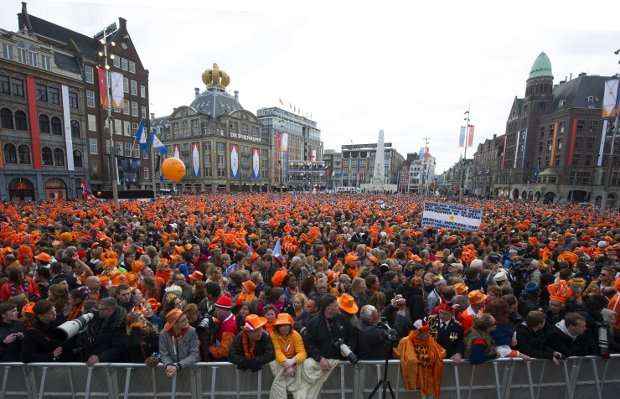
x: 179, y: 249
x: 104, y: 280
x: 283, y: 319
x: 137, y: 266
x: 461, y: 289
x: 43, y: 257
x: 66, y: 236
x: 28, y: 308
x: 254, y: 322
x: 476, y: 297
x: 118, y: 279
x: 172, y: 317
x: 249, y: 285
x: 197, y: 275
x: 278, y: 277
x: 350, y: 258
x: 560, y: 291
x: 347, y: 304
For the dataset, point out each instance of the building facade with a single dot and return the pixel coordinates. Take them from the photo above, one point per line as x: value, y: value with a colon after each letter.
x: 333, y: 168
x: 88, y: 53
x: 42, y: 120
x: 421, y: 174
x: 553, y: 136
x: 292, y: 138
x: 486, y: 166
x: 356, y: 167
x: 457, y: 176
x: 220, y: 143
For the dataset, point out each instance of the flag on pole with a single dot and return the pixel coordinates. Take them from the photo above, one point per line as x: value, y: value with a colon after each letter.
x: 103, y: 87
x: 610, y: 99
x: 157, y: 144
x: 470, y: 135
x: 277, y: 249
x: 140, y: 136
x: 116, y: 81
x: 462, y: 137
x: 176, y: 151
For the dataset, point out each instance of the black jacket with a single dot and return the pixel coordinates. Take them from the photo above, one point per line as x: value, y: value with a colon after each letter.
x: 105, y: 338
x: 450, y: 337
x: 39, y: 343
x: 13, y: 351
x: 263, y: 353
x: 534, y: 343
x: 567, y: 346
x: 320, y: 336
x: 372, y: 343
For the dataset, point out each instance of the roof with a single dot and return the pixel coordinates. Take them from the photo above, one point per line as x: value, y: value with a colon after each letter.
x: 87, y: 45
x: 67, y: 63
x: 585, y: 91
x: 215, y: 103
x: 541, y: 67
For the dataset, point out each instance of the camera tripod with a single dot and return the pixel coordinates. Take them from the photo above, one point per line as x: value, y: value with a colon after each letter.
x: 384, y: 383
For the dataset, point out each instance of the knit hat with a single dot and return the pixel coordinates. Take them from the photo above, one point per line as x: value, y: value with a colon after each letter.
x: 224, y: 302
x: 171, y: 318
x: 196, y: 276
x: 174, y: 289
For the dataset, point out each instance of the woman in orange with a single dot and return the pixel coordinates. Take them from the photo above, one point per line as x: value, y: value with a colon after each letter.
x: 290, y: 353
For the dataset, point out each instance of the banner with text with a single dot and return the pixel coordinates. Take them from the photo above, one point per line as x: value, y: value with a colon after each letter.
x: 454, y: 217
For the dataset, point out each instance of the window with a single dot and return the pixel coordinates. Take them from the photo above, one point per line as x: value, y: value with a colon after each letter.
x: 41, y: 92
x: 145, y: 173
x: 92, y: 146
x: 6, y: 118
x: 46, y: 156
x: 59, y: 157
x: 23, y: 153
x: 125, y: 85
x: 17, y: 87
x: 20, y: 121
x: 134, y: 87
x: 127, y: 149
x: 44, y: 123
x: 143, y: 91
x: 134, y: 109
x: 75, y: 129
x: 143, y: 112
x: 90, y: 98
x: 88, y: 74
x: 46, y: 62
x: 77, y: 159
x: 132, y: 67
x: 108, y: 146
x: 127, y: 130
x: 119, y: 148
x: 7, y: 51
x: 5, y: 85
x: 56, y: 126
x: 53, y: 95
x: 92, y: 123
x: 74, y: 100
x: 126, y: 107
x: 10, y: 155
x: 117, y: 62
x: 124, y: 64
x: 118, y: 126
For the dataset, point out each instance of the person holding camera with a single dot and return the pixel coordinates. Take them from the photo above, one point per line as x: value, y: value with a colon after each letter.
x: 105, y: 338
x: 11, y: 333
x: 397, y: 314
x: 226, y: 325
x: 328, y: 339
x: 372, y: 337
x: 178, y: 343
x: 252, y: 347
x: 39, y: 343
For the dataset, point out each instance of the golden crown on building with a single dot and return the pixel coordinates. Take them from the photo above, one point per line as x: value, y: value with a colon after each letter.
x: 215, y: 77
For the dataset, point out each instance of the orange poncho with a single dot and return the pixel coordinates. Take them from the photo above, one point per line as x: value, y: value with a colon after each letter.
x: 421, y: 363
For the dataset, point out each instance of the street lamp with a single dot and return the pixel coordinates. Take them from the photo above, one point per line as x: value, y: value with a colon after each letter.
x: 106, y: 34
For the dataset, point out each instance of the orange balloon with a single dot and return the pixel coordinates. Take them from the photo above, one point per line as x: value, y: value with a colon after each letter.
x: 173, y: 169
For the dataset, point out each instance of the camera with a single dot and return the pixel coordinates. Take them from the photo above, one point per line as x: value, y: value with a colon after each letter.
x: 71, y: 328
x: 345, y: 351
x: 390, y: 334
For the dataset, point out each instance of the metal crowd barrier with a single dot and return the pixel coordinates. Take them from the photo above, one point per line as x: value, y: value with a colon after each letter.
x: 574, y: 378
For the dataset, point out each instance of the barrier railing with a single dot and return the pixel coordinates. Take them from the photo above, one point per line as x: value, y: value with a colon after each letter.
x: 574, y: 378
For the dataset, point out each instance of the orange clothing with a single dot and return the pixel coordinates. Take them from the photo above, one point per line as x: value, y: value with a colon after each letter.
x: 614, y: 304
x: 421, y: 363
x: 288, y: 346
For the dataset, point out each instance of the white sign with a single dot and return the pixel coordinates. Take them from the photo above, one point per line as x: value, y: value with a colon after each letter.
x: 453, y: 217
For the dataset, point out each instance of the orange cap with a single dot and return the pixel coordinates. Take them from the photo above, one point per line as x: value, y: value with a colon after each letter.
x: 283, y: 319
x: 253, y: 322
x: 347, y: 304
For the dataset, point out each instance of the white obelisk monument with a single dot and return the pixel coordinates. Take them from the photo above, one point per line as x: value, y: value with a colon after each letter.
x: 378, y: 184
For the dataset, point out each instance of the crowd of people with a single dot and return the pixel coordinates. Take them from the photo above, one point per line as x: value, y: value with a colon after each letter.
x: 301, y: 283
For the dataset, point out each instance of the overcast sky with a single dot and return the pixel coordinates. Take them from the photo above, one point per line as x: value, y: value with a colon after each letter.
x: 411, y: 68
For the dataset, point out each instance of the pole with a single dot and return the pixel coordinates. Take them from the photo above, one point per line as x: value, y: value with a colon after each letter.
x: 610, y: 162
x: 114, y: 177
x: 462, y: 185
x: 152, y: 155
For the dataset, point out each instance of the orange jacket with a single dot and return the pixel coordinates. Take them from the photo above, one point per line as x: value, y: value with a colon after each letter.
x: 421, y: 363
x: 288, y: 346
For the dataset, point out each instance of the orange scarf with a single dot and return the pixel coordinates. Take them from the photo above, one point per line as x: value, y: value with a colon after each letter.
x: 421, y: 362
x: 249, y: 346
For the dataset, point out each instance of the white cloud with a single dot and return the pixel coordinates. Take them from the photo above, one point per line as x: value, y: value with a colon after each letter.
x: 410, y: 68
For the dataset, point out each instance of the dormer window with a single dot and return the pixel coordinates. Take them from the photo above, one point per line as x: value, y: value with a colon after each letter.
x: 562, y: 103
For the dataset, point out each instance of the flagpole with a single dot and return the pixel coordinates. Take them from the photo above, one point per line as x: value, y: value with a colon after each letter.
x: 152, y: 155
x: 462, y: 185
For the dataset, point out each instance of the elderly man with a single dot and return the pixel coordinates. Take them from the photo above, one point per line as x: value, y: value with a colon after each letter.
x: 178, y: 343
x: 372, y: 338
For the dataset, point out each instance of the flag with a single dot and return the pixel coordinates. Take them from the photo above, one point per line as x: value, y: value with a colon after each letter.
x: 176, y: 151
x: 116, y: 81
x: 195, y: 160
x: 1, y: 156
x: 140, y: 136
x: 470, y: 135
x: 462, y: 137
x: 157, y: 144
x: 610, y: 99
x: 277, y: 249
x: 103, y: 87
